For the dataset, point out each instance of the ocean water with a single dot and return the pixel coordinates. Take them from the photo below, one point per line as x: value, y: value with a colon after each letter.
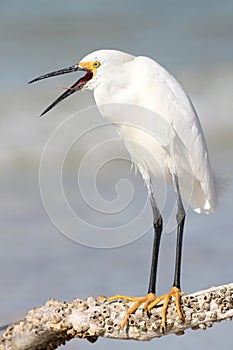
x: 63, y: 161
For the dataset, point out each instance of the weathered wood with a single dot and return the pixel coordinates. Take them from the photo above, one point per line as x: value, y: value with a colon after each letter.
x: 48, y: 326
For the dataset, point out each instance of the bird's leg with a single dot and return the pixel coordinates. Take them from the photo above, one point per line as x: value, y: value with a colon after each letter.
x: 175, y: 291
x: 158, y: 227
x: 150, y: 297
x: 180, y: 218
x: 150, y: 300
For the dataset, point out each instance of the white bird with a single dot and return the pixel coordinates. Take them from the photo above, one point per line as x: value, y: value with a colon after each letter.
x: 169, y: 142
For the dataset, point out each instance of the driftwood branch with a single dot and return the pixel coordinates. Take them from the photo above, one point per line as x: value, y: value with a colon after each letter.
x: 56, y: 322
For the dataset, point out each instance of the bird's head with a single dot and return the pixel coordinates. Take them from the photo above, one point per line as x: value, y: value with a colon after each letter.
x: 96, y: 65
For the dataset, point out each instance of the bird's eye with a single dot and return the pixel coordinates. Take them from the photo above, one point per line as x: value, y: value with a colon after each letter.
x: 96, y: 64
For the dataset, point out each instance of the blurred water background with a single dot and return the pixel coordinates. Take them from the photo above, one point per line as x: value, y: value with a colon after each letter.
x: 194, y: 40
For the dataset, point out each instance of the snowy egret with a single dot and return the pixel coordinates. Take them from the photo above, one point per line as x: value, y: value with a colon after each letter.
x: 118, y: 77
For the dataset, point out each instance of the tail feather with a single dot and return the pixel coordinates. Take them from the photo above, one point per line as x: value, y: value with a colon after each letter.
x: 207, y: 196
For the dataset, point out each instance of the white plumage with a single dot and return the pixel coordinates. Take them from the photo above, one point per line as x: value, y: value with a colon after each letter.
x: 125, y: 79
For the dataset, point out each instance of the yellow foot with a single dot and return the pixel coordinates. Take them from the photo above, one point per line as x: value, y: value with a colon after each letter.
x: 175, y: 292
x: 150, y: 301
x: 147, y: 299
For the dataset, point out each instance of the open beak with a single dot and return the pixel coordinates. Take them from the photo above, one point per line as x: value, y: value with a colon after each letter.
x: 75, y: 87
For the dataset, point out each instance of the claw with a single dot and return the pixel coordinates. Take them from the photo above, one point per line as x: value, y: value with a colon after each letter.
x: 150, y: 301
x: 166, y: 297
x: 147, y: 299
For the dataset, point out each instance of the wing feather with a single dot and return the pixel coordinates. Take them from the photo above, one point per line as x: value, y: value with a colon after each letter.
x: 187, y: 147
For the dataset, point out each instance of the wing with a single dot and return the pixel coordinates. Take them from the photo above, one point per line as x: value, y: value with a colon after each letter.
x: 166, y: 97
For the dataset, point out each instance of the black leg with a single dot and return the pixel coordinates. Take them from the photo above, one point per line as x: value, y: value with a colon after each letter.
x: 158, y: 226
x: 180, y: 218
